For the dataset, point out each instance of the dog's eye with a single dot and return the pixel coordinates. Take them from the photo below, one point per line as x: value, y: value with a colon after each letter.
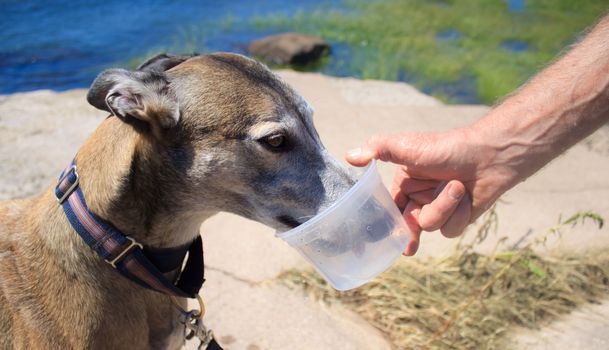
x: 275, y: 141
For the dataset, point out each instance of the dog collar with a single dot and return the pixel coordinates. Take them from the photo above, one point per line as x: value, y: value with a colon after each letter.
x: 144, y: 266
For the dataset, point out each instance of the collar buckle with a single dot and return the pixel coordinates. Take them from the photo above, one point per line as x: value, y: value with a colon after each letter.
x: 120, y: 256
x: 68, y: 192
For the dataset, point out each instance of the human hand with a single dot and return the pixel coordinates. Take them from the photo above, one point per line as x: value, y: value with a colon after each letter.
x: 444, y: 180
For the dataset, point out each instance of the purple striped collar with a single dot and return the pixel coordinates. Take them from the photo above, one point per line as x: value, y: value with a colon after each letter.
x: 124, y: 253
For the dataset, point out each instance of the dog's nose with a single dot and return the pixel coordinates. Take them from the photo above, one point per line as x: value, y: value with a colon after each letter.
x: 379, y: 222
x: 379, y: 228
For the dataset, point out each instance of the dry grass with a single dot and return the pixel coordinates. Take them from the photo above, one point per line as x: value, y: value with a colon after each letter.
x: 468, y: 300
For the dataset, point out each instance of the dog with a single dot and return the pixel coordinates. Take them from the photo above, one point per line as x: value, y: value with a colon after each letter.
x: 188, y: 137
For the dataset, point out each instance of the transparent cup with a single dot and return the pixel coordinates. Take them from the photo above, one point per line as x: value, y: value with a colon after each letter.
x: 356, y: 238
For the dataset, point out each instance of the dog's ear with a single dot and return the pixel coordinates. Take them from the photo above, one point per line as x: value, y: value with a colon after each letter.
x: 141, y: 98
x: 163, y: 62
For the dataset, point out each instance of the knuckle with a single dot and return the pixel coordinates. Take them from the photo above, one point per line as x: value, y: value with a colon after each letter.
x: 374, y: 139
x: 432, y: 221
x: 372, y: 142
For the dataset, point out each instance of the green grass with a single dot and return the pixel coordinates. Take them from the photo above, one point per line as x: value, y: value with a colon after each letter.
x: 468, y: 300
x: 390, y: 38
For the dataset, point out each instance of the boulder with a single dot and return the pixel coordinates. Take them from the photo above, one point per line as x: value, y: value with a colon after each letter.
x: 289, y: 48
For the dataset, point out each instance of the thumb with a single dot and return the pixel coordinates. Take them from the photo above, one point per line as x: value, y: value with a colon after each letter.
x: 360, y: 156
x: 399, y: 149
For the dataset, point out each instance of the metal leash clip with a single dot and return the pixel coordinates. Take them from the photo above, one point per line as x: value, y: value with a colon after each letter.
x: 198, y: 329
x: 193, y: 321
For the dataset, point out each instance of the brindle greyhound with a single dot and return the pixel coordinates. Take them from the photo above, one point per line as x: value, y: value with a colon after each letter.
x: 189, y: 137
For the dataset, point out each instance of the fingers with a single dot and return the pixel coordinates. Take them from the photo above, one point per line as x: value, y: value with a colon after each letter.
x: 360, y: 156
x: 403, y: 187
x: 436, y: 214
x: 404, y: 181
x: 400, y: 198
x: 400, y: 149
x: 460, y: 218
x: 450, y: 211
x: 423, y: 197
x: 411, y: 215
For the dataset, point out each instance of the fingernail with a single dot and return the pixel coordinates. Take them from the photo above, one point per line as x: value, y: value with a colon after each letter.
x: 455, y: 192
x: 354, y: 153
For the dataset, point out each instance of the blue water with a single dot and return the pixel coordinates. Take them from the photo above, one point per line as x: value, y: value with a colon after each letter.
x: 516, y: 46
x: 62, y: 44
x: 450, y: 34
x: 517, y: 5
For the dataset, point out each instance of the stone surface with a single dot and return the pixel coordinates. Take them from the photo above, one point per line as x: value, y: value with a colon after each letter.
x: 585, y: 328
x: 246, y: 250
x: 40, y: 133
x: 378, y: 93
x: 289, y: 48
x: 248, y: 315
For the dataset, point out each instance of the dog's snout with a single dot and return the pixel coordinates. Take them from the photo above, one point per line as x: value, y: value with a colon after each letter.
x: 379, y: 228
x: 337, y: 180
x: 288, y: 221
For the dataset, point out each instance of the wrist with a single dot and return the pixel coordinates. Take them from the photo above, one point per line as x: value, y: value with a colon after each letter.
x: 481, y: 143
x: 499, y: 146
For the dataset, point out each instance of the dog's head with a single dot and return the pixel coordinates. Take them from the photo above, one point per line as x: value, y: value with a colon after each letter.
x: 236, y: 136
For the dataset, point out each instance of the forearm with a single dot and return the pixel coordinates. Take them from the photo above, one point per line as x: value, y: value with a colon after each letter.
x: 559, y: 107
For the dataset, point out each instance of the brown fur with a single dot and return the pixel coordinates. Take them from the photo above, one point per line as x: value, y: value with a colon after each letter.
x: 157, y: 183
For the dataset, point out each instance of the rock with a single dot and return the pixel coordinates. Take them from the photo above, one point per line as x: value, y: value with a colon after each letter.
x: 289, y: 48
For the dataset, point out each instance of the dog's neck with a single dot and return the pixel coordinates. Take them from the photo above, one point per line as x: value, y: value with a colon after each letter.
x: 125, y: 180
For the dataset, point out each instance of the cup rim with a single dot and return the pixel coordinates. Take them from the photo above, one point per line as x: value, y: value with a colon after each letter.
x: 357, y: 187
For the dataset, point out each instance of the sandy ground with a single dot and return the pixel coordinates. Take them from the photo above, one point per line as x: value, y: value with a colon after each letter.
x: 40, y: 132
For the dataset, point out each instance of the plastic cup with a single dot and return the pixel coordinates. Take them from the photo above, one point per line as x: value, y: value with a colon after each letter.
x: 355, y: 239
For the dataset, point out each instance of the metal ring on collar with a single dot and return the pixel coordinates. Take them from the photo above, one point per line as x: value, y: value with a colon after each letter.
x: 197, y: 315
